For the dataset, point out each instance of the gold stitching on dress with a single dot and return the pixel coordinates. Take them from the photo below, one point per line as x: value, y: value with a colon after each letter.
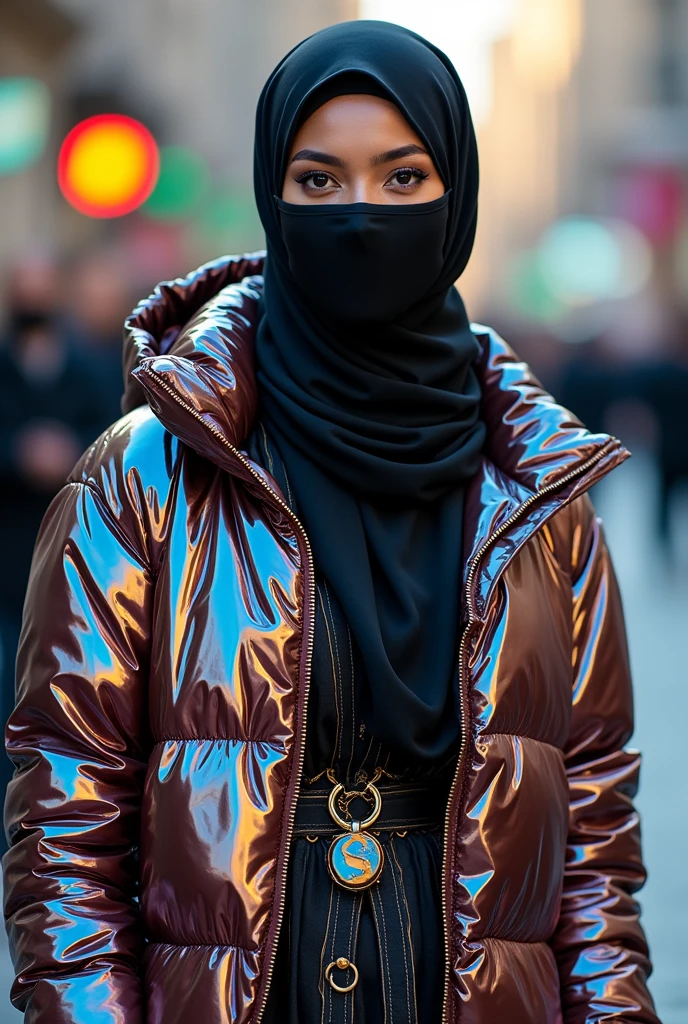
x: 408, y: 947
x: 405, y: 953
x: 336, y: 673
x: 353, y: 703
x: 355, y: 922
x: 321, y: 987
x: 333, y: 940
x: 350, y: 948
x: 386, y: 974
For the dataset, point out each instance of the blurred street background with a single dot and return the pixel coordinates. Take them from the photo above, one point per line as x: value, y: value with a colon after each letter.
x: 126, y: 135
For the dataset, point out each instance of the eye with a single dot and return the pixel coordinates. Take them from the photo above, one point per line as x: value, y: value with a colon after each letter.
x: 316, y: 181
x: 405, y: 179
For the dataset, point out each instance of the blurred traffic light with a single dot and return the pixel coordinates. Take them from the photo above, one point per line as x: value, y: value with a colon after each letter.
x: 108, y: 165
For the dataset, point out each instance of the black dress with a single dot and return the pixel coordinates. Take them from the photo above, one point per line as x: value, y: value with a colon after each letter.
x: 393, y: 931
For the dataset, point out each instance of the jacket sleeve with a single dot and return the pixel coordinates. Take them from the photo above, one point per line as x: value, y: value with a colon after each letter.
x: 76, y: 739
x: 599, y: 943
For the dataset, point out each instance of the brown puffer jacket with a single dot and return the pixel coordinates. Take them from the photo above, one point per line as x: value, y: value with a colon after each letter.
x: 163, y: 682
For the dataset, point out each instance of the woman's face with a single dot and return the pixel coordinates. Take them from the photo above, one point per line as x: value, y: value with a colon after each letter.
x: 359, y: 149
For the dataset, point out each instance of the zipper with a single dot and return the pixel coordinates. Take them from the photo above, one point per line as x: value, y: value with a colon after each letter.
x: 301, y: 753
x: 463, y: 696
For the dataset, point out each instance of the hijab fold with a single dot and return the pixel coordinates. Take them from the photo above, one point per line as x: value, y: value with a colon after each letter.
x: 377, y: 419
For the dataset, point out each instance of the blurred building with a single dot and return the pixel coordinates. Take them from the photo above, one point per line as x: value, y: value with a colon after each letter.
x: 589, y: 118
x: 35, y: 37
x: 191, y: 71
x: 198, y: 66
x: 582, y: 250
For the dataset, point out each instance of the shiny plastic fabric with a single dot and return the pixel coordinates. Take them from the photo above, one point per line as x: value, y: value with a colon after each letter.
x: 162, y: 689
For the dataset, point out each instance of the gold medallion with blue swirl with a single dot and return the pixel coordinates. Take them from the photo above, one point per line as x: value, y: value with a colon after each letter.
x: 355, y: 860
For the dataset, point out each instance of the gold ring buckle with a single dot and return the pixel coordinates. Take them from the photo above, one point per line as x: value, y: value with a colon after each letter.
x: 342, y: 964
x: 336, y: 792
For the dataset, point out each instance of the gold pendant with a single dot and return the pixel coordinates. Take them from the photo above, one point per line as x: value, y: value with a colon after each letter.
x: 356, y: 858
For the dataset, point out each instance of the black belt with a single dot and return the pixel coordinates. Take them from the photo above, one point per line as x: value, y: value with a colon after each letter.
x: 404, y: 807
x: 395, y: 809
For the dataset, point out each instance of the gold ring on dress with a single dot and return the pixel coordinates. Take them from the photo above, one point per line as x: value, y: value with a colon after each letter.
x: 337, y: 790
x: 342, y: 964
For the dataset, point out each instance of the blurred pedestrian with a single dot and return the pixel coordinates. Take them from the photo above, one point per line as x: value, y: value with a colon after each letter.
x: 651, y: 390
x: 48, y: 414
x: 663, y: 385
x: 100, y: 296
x: 324, y: 688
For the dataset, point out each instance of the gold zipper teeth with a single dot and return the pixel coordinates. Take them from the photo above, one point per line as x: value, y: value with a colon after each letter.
x: 309, y: 650
x: 528, y: 503
x: 472, y: 569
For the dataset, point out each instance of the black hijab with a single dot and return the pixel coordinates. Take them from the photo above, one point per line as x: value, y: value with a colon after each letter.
x: 377, y: 418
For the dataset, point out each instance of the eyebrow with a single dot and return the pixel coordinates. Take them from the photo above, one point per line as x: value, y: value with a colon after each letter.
x: 317, y: 157
x: 382, y: 158
x: 398, y: 154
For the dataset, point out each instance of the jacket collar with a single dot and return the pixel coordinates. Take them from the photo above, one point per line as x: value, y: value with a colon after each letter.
x: 538, y: 456
x: 189, y: 353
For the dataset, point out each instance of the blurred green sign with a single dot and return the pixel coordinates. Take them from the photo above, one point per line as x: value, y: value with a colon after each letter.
x: 182, y: 185
x: 529, y: 291
x: 579, y: 262
x: 24, y: 123
x: 585, y: 260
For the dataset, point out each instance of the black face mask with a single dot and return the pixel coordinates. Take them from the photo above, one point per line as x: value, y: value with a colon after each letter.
x: 365, y: 261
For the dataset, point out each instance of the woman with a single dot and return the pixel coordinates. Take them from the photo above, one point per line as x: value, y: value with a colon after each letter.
x: 323, y: 685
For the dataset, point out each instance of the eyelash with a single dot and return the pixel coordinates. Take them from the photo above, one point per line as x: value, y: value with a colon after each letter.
x: 417, y: 174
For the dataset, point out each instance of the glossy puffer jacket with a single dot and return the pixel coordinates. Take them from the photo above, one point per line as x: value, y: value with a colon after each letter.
x: 162, y: 693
